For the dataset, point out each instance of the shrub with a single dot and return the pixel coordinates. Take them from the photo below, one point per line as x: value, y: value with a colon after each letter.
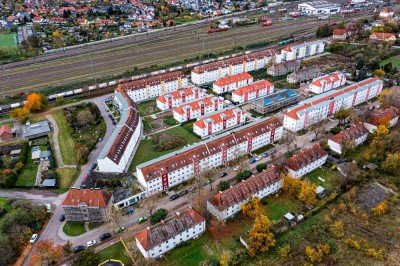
x: 260, y: 167
x: 165, y: 142
x: 335, y: 130
x: 223, y: 185
x: 159, y: 215
x: 2, y: 211
x: 264, y: 201
x: 243, y: 175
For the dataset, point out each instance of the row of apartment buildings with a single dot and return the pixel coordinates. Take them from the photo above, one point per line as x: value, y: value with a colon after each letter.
x: 326, y: 104
x: 179, y: 97
x: 174, y: 168
x: 195, y: 109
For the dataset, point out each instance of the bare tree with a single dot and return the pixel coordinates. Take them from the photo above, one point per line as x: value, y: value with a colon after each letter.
x: 347, y: 148
x: 116, y: 215
x: 200, y: 202
x: 288, y: 138
x: 149, y: 203
x: 317, y: 125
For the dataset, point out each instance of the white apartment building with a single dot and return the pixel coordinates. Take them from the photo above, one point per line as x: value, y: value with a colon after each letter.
x: 357, y: 134
x: 231, y: 83
x: 327, y: 82
x: 326, y: 104
x: 176, y: 98
x: 303, y: 50
x: 121, y: 145
x: 320, y: 7
x: 306, y: 161
x: 227, y: 203
x: 198, y: 108
x: 253, y: 91
x: 213, y: 71
x: 160, y: 238
x: 218, y: 122
x: 152, y: 87
x: 388, y: 117
x: 174, y: 168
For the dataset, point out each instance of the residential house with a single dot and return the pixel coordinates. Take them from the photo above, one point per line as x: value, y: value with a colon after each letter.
x: 378, y: 37
x: 174, y: 168
x: 5, y: 133
x: 275, y: 101
x: 164, y: 236
x: 232, y: 82
x: 386, y: 14
x: 58, y: 20
x: 252, y: 91
x: 38, y: 19
x: 179, y: 97
x: 303, y: 50
x: 306, y: 161
x: 284, y: 68
x: 36, y: 130
x: 87, y: 205
x: 328, y: 103
x: 388, y: 117
x: 351, y: 29
x: 198, y: 108
x: 304, y: 74
x: 357, y: 134
x: 218, y: 122
x: 227, y: 203
x: 339, y: 35
x: 327, y: 82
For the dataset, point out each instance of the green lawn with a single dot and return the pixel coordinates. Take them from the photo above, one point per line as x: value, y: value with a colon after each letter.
x: 116, y: 252
x: 66, y: 177
x: 74, y: 229
x: 328, y: 175
x: 145, y: 150
x: 7, y: 40
x: 394, y: 59
x: 3, y: 203
x: 66, y: 142
x: 144, y: 108
x: 262, y: 74
x: 278, y: 206
x: 28, y: 173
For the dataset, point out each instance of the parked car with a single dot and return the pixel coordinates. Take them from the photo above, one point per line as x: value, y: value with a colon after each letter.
x: 259, y: 158
x: 312, y: 139
x: 236, y: 168
x: 34, y: 238
x: 272, y: 151
x: 100, y: 139
x: 114, y: 122
x: 104, y: 236
x: 223, y: 174
x: 183, y: 193
x: 78, y: 249
x: 252, y: 160
x: 254, y: 116
x: 62, y: 218
x: 142, y: 219
x: 265, y: 155
x: 93, y: 166
x: 91, y: 243
x: 110, y: 115
x: 174, y: 197
x: 119, y: 229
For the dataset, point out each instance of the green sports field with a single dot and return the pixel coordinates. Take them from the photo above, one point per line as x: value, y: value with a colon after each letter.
x: 7, y: 40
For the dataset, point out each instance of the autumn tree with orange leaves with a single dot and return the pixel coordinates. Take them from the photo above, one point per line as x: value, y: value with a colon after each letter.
x: 35, y: 101
x: 21, y: 114
x: 46, y: 253
x: 260, y: 237
x: 252, y: 207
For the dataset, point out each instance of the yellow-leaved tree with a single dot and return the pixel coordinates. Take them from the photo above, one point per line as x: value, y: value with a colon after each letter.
x: 34, y: 101
x: 21, y: 114
x: 308, y: 193
x: 252, y: 207
x: 260, y: 237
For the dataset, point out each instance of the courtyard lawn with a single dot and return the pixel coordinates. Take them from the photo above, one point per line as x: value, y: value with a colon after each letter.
x: 328, y: 175
x: 148, y: 108
x: 74, y: 229
x: 394, y: 59
x: 66, y: 142
x: 277, y: 206
x: 116, y: 252
x: 7, y: 40
x: 28, y: 173
x: 145, y: 150
x: 66, y: 177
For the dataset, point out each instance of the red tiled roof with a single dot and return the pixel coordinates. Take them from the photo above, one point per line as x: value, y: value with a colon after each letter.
x: 178, y: 94
x: 207, y: 149
x: 293, y: 113
x: 258, y: 85
x: 306, y: 157
x: 327, y: 79
x: 57, y: 19
x: 339, y: 32
x: 151, y: 81
x: 92, y: 197
x: 350, y: 134
x: 241, y: 191
x: 232, y: 79
x: 196, y: 104
x: 5, y: 129
x: 217, y: 118
x: 382, y: 35
x: 172, y: 226
x: 380, y: 115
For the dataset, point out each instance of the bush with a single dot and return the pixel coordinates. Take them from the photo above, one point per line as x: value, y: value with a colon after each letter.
x: 335, y: 130
x: 170, y: 121
x: 164, y: 142
x: 159, y: 215
x: 264, y: 201
x: 223, y: 185
x: 243, y: 175
x: 260, y: 167
x: 2, y: 211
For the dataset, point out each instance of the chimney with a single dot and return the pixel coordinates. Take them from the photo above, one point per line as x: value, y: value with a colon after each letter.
x: 178, y: 214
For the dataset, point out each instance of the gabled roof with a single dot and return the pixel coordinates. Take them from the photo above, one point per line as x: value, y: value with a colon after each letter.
x: 151, y: 81
x: 233, y: 79
x: 258, y: 85
x: 330, y: 78
x: 217, y: 118
x: 339, y: 32
x: 350, y: 134
x: 171, y: 227
x: 197, y: 104
x: 178, y: 94
x: 306, y: 157
x: 380, y: 115
x: 92, y: 197
x: 171, y: 162
x: 5, y: 129
x: 382, y: 35
x: 241, y: 191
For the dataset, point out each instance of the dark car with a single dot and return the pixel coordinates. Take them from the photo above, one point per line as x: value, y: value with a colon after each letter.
x: 104, y: 236
x: 110, y: 115
x: 62, y: 218
x: 272, y: 151
x: 223, y: 174
x: 93, y: 166
x: 254, y: 116
x: 78, y: 249
x: 265, y: 155
x: 174, y: 197
x: 183, y: 192
x: 114, y: 123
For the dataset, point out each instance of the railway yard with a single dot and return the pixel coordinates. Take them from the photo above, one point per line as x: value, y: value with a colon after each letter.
x: 156, y: 50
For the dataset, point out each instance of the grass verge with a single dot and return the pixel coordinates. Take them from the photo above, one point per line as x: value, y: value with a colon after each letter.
x: 66, y: 142
x: 116, y: 252
x: 74, y: 229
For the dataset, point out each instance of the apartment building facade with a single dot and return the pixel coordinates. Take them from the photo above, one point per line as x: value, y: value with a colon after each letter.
x: 174, y: 168
x: 327, y: 82
x: 231, y: 83
x: 179, y: 97
x: 253, y: 91
x: 327, y: 104
x: 357, y: 134
x: 303, y: 50
x: 152, y: 87
x: 198, y: 108
x: 306, y: 161
x: 218, y: 122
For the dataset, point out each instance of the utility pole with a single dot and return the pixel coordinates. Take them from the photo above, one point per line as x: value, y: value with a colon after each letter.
x: 233, y: 44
